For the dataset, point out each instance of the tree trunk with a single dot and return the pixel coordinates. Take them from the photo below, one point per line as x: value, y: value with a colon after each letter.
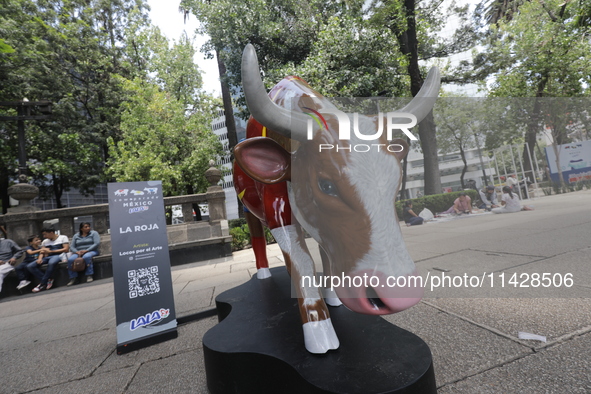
x: 560, y: 176
x: 463, y: 156
x: 429, y: 147
x: 402, y: 193
x: 57, y: 192
x: 409, y: 46
x: 4, y: 190
x: 533, y: 126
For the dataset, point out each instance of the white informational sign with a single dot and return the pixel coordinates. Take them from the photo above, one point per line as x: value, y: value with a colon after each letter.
x: 574, y: 161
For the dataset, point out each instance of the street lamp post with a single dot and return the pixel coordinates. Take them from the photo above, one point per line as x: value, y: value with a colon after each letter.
x: 26, y: 110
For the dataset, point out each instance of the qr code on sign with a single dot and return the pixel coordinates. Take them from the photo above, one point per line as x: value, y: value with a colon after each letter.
x: 143, y: 281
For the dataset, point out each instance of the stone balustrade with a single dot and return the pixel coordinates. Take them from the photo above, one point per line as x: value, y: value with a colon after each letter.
x: 21, y: 225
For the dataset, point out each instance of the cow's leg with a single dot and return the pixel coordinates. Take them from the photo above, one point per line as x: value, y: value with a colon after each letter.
x: 259, y: 245
x: 319, y: 334
x: 330, y: 296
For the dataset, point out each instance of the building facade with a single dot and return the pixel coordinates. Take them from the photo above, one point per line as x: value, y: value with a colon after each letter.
x: 218, y: 126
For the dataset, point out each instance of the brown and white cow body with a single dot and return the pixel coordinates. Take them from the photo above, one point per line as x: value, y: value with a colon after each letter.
x: 343, y: 199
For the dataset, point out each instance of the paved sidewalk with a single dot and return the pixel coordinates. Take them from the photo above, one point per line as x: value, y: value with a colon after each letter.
x: 63, y: 340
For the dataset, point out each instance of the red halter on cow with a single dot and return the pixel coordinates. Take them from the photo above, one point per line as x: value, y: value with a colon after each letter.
x: 343, y: 199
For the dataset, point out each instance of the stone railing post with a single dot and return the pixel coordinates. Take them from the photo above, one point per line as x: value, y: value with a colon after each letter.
x: 216, y: 198
x: 67, y: 226
x: 187, y: 210
x: 24, y: 193
x: 99, y: 221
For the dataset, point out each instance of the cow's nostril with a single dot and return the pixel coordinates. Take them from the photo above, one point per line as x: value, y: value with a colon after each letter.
x: 374, y: 300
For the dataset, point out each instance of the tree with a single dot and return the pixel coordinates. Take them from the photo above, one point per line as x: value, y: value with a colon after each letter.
x: 68, y: 52
x: 290, y: 35
x: 538, y: 50
x: 460, y: 126
x: 282, y: 32
x: 165, y: 123
x: 415, y: 28
x: 160, y: 140
x: 339, y: 64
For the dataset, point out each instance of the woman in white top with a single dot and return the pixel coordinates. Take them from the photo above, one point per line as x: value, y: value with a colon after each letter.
x: 510, y: 202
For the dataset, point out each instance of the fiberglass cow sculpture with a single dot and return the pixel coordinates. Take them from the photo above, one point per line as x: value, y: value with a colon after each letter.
x: 295, y: 171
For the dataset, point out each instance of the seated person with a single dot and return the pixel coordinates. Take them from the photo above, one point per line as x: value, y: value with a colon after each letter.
x: 488, y: 198
x: 462, y: 204
x: 10, y: 252
x: 32, y: 255
x: 52, y: 247
x: 510, y: 202
x: 410, y: 218
x: 84, y: 244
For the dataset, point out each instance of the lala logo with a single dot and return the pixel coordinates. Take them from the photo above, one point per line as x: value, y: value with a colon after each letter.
x: 138, y: 209
x: 149, y: 319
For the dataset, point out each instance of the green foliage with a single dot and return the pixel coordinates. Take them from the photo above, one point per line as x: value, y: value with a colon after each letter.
x: 540, y: 50
x: 97, y: 61
x: 241, y: 234
x: 435, y: 202
x: 340, y: 65
x: 240, y: 238
x: 68, y: 53
x: 161, y: 141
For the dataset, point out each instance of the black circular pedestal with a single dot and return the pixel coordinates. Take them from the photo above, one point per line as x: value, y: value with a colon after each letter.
x: 258, y: 347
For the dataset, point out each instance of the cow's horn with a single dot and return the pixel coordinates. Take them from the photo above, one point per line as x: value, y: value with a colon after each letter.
x: 289, y: 123
x: 424, y: 101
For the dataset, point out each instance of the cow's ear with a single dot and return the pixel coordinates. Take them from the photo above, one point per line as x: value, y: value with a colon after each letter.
x: 404, y: 151
x: 263, y: 160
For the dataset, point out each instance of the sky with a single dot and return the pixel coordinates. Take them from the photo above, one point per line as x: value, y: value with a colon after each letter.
x: 165, y: 14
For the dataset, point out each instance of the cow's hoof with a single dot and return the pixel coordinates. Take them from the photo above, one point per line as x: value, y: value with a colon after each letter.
x: 333, y: 301
x: 263, y: 273
x: 320, y: 337
x: 330, y: 297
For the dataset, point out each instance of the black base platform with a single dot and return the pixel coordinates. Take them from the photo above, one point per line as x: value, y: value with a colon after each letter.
x: 258, y: 347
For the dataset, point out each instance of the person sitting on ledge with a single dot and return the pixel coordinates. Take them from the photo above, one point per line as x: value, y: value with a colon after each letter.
x: 52, y: 247
x: 410, y: 218
x: 510, y: 203
x: 84, y: 244
x: 32, y: 256
x: 10, y: 252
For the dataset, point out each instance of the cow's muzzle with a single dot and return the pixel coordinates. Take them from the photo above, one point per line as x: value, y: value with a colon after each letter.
x: 374, y: 293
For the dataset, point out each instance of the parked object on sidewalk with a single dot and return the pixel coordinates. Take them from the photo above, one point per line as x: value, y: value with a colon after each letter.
x: 426, y: 214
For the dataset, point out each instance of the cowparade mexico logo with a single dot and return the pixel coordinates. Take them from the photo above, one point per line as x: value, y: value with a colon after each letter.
x: 392, y: 123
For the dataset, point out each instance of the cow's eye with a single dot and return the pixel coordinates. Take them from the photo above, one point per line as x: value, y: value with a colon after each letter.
x: 327, y: 187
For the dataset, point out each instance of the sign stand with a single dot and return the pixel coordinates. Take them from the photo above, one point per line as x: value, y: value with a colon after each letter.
x: 144, y: 302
